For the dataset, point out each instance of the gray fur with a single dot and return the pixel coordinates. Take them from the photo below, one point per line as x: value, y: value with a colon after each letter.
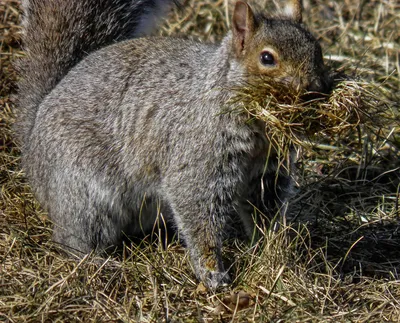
x: 141, y: 124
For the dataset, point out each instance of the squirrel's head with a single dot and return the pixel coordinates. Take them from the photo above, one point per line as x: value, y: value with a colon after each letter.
x: 279, y: 48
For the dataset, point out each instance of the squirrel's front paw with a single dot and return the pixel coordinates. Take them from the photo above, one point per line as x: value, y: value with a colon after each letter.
x: 215, y: 279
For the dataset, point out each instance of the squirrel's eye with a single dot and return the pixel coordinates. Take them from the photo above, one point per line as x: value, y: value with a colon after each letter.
x: 267, y: 58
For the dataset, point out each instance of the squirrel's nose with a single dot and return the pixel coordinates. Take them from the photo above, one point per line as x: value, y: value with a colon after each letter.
x: 317, y: 88
x: 321, y: 84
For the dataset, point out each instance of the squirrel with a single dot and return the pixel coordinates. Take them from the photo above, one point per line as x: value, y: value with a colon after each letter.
x: 118, y: 128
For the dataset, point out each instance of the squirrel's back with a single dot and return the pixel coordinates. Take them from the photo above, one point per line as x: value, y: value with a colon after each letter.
x: 58, y: 34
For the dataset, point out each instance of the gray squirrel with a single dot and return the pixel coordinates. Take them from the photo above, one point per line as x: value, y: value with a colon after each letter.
x: 118, y: 128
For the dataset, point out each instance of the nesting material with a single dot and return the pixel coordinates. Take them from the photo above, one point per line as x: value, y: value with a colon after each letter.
x: 300, y: 118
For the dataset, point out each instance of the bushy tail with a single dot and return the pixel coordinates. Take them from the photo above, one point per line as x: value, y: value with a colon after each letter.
x: 59, y: 33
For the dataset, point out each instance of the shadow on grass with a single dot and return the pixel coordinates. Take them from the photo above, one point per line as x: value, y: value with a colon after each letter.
x: 354, y: 217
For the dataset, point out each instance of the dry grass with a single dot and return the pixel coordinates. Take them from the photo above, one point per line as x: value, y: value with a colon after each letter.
x: 339, y: 260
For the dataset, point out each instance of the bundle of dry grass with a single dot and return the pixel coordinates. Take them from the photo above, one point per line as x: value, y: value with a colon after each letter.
x: 294, y: 118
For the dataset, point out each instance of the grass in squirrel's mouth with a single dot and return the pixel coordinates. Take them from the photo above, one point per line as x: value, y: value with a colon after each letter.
x: 289, y: 119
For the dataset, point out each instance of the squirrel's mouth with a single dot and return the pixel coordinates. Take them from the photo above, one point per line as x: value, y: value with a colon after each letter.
x: 321, y: 87
x: 313, y: 87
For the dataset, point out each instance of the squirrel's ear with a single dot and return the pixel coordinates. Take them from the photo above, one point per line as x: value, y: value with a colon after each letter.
x: 293, y: 10
x: 243, y: 25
